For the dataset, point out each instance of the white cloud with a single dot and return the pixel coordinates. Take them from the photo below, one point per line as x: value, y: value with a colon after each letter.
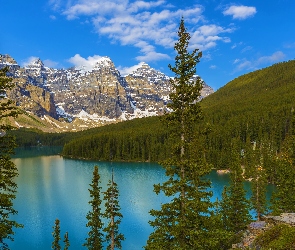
x: 146, y: 24
x: 128, y: 70
x: 55, y: 4
x: 213, y: 67
x: 134, y: 7
x: 289, y: 45
x: 212, y: 30
x: 275, y: 57
x: 247, y: 48
x: 152, y: 56
x: 49, y: 63
x: 240, y: 12
x: 243, y: 64
x: 86, y: 63
x: 93, y: 7
x: 236, y: 61
x: 207, y: 56
x: 149, y: 53
x: 29, y: 60
x: 207, y: 36
x: 236, y: 45
x: 52, y: 17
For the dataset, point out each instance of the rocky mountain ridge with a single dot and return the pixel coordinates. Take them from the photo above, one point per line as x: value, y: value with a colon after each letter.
x: 100, y: 94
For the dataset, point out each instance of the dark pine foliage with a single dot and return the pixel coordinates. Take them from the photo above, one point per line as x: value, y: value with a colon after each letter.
x: 112, y: 213
x: 8, y: 170
x: 257, y: 106
x: 56, y: 236
x: 234, y: 207
x: 136, y: 140
x: 66, y: 241
x: 283, y: 199
x: 187, y: 222
x: 95, y: 225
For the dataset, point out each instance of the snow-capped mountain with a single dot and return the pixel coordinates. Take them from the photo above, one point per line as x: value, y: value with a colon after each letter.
x: 95, y: 92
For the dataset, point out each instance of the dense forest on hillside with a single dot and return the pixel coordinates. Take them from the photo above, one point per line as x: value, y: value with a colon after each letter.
x: 30, y: 137
x: 256, y: 107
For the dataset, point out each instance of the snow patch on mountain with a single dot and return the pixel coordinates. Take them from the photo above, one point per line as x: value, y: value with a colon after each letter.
x: 62, y: 113
x: 83, y: 115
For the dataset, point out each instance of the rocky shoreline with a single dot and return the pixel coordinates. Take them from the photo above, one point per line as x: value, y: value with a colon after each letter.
x: 259, y: 227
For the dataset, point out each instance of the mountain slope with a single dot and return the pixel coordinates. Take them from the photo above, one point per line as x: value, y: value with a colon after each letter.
x: 256, y: 107
x: 267, y: 88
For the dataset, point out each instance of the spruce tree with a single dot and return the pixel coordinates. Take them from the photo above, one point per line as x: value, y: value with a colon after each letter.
x: 112, y: 212
x: 56, y: 235
x: 283, y: 199
x: 187, y: 222
x: 95, y: 234
x: 234, y: 207
x: 8, y: 170
x: 66, y: 241
x: 7, y: 109
x: 259, y: 180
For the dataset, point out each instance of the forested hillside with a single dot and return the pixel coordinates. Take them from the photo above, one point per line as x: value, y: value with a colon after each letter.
x: 256, y: 107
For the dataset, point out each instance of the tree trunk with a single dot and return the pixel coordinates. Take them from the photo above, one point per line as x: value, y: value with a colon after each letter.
x: 113, y: 234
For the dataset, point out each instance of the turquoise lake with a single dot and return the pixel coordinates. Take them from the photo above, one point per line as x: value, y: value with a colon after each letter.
x: 51, y: 187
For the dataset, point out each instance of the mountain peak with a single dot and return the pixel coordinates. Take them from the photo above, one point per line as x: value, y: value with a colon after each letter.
x: 7, y: 60
x: 95, y: 63
x: 36, y: 63
x: 145, y: 66
x: 103, y: 61
x: 146, y: 70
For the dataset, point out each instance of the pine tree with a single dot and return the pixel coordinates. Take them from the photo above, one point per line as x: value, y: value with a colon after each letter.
x: 234, y: 207
x: 259, y: 181
x: 66, y: 241
x: 95, y: 235
x: 8, y: 170
x: 283, y: 199
x: 187, y: 222
x: 112, y: 212
x: 56, y: 235
x: 7, y: 109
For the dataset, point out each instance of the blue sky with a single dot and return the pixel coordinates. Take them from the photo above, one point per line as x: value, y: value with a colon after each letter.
x: 236, y: 37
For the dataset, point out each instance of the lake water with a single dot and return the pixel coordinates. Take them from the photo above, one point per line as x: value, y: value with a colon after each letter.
x: 51, y: 187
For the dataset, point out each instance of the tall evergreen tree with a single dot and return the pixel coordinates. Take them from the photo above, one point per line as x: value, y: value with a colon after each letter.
x: 112, y: 212
x: 234, y: 207
x: 95, y: 234
x: 56, y: 235
x: 187, y: 222
x: 259, y: 180
x: 283, y: 199
x: 7, y: 109
x: 8, y: 170
x: 66, y: 241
